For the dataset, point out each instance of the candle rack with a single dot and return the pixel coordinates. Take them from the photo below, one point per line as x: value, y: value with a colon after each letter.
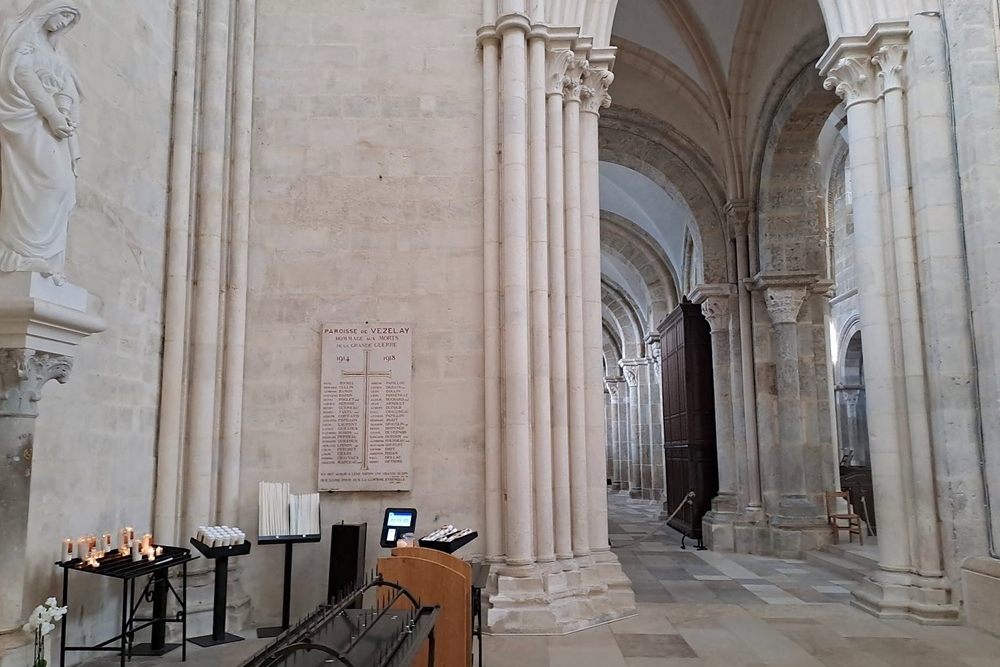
x: 221, y: 555
x: 448, y: 547
x: 390, y: 634
x: 286, y: 591
x: 156, y: 590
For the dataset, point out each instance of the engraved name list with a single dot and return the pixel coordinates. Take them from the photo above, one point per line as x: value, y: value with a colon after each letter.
x: 364, y: 442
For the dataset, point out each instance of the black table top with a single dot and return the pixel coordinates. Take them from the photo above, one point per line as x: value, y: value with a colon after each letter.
x: 123, y: 567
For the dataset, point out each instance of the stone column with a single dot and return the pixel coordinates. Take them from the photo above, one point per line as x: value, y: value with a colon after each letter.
x: 23, y: 372
x: 541, y: 406
x: 634, y: 447
x: 199, y: 473
x: 623, y: 434
x: 617, y: 390
x: 609, y: 430
x: 850, y: 72
x: 798, y: 510
x: 593, y: 96
x: 642, y: 370
x: 940, y: 221
x: 515, y: 323
x: 656, y: 417
x: 578, y: 473
x: 492, y: 390
x: 718, y: 522
x: 557, y: 62
x: 738, y: 217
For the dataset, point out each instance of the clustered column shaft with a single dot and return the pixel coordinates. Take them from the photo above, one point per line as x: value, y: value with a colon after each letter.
x: 545, y: 413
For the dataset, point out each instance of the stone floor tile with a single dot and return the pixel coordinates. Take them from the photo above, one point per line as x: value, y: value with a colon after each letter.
x: 650, y: 619
x: 768, y: 643
x: 653, y: 646
x: 574, y: 656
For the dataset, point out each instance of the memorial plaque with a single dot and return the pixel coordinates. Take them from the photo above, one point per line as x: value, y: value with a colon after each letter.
x: 364, y: 441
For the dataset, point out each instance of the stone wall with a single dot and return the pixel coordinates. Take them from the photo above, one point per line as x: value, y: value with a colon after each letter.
x: 95, y: 439
x: 972, y: 33
x: 366, y: 206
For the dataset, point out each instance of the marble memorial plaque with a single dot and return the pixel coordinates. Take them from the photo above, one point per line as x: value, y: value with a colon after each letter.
x: 364, y: 442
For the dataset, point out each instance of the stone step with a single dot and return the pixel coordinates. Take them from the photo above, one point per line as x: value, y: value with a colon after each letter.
x: 848, y: 569
x: 868, y: 560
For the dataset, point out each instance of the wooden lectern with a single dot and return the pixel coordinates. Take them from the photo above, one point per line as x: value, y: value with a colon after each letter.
x: 437, y: 578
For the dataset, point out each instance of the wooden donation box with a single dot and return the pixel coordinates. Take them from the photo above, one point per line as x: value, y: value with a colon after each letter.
x: 690, y: 457
x: 440, y: 579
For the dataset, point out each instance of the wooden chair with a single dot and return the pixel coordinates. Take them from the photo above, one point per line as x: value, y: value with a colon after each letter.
x: 834, y: 518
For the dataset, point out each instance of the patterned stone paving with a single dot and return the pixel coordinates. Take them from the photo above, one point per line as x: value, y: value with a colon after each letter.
x: 704, y: 609
x: 662, y: 572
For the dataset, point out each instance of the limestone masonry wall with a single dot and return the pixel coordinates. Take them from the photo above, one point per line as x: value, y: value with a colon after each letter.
x: 366, y: 206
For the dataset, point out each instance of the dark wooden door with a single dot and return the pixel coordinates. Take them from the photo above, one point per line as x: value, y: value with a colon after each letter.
x: 690, y: 457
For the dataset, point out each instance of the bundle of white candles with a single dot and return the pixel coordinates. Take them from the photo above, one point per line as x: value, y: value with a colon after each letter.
x: 284, y: 513
x: 273, y: 506
x: 220, y: 536
x: 304, y: 512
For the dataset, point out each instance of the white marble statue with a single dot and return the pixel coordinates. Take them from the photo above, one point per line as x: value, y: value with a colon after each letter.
x: 39, y: 104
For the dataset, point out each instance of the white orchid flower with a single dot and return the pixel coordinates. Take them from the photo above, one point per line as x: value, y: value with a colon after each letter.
x: 47, y: 627
x: 52, y: 602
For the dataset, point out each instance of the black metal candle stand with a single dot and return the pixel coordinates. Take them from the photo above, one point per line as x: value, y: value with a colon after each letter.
x: 448, y: 547
x: 221, y: 556
x: 286, y: 591
x: 157, y: 590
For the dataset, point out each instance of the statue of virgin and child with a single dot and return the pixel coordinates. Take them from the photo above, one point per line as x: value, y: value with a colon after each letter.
x: 39, y: 109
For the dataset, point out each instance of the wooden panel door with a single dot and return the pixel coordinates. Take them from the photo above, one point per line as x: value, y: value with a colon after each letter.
x: 690, y: 457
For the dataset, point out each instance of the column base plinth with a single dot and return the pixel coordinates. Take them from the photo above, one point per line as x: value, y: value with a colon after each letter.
x: 781, y: 537
x: 559, y: 598
x: 718, y: 530
x: 923, y: 600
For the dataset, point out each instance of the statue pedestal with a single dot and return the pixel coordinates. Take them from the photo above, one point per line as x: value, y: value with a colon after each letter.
x: 40, y: 326
x: 36, y: 314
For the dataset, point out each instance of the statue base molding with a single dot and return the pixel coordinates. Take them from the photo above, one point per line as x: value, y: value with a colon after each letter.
x: 37, y: 314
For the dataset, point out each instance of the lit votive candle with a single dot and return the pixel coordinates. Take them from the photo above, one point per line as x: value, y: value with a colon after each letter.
x: 68, y: 551
x: 106, y: 542
x: 147, y: 540
x: 136, y: 551
x: 159, y: 551
x: 83, y: 548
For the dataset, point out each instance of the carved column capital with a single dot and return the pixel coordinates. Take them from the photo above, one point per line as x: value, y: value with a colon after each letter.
x: 889, y: 59
x: 556, y: 64
x: 22, y: 375
x: 716, y: 311
x: 594, y: 93
x: 853, y: 79
x: 784, y: 303
x: 629, y: 371
x: 737, y: 216
x: 612, y: 383
x: 573, y: 80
